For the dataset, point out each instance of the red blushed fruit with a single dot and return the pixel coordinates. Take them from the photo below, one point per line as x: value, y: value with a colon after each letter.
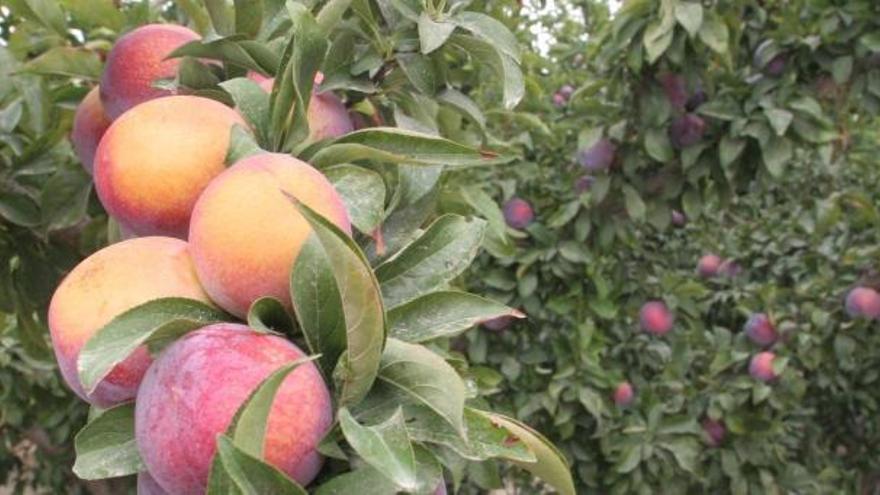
x: 761, y: 367
x: 146, y: 485
x: 89, y: 125
x: 136, y: 61
x: 624, y: 394
x: 760, y: 330
x: 103, y: 286
x: 709, y: 265
x: 863, y: 302
x: 518, y: 213
x: 191, y: 392
x: 715, y: 432
x: 656, y: 318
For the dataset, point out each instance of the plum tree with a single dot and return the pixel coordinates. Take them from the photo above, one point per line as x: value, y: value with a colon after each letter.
x: 89, y: 124
x: 246, y: 233
x: 863, y: 302
x: 518, y: 213
x: 761, y: 366
x: 599, y: 156
x: 155, y: 160
x: 624, y: 394
x: 180, y: 408
x: 760, y: 330
x: 655, y: 318
x: 136, y: 61
x: 104, y: 285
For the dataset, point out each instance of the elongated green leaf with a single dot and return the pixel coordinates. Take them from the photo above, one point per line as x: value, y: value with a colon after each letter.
x: 433, y: 34
x: 389, y: 144
x: 267, y: 314
x: 221, y: 16
x: 242, y: 144
x: 292, y: 92
x: 443, y: 314
x: 64, y: 198
x: 253, y: 103
x: 426, y: 378
x: 95, y: 13
x: 419, y: 71
x: 550, y: 465
x: 463, y: 104
x: 231, y: 49
x: 106, y: 448
x: 331, y: 13
x: 155, y: 322
x: 385, y: 446
x: 442, y: 253
x: 246, y: 475
x: 363, y: 192
x: 67, y: 62
x: 361, y: 303
x: 19, y: 209
x: 365, y: 480
x: 504, y: 67
x: 248, y: 17
x: 489, y: 30
x: 46, y: 12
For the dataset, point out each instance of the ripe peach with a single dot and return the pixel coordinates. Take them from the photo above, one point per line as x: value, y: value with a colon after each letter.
x: 328, y: 118
x: 136, y: 61
x: 761, y: 366
x: 760, y: 330
x: 194, y: 388
x: 863, y: 302
x: 656, y: 318
x: 709, y: 265
x: 518, y: 213
x: 107, y: 283
x: 155, y: 160
x: 245, y: 233
x: 146, y: 485
x: 624, y: 394
x: 89, y: 124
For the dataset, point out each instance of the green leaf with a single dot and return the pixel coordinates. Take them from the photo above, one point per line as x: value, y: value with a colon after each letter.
x: 106, y: 447
x: 385, y: 446
x: 442, y: 253
x: 293, y: 87
x: 242, y: 144
x: 331, y: 14
x: 47, y: 12
x: 729, y: 149
x: 361, y: 305
x: 779, y: 119
x: 389, y: 144
x: 231, y: 49
x: 365, y: 481
x: 635, y: 207
x: 690, y: 16
x: 443, y: 314
x: 66, y: 62
x: 776, y: 152
x: 463, y: 104
x: 658, y: 146
x: 95, y: 13
x: 221, y: 16
x: 714, y: 33
x: 64, y: 198
x: 426, y: 378
x: 489, y: 30
x: 841, y: 69
x: 267, y: 314
x: 419, y: 71
x: 433, y: 34
x: 253, y: 104
x: 657, y: 38
x: 248, y: 17
x: 19, y: 209
x: 504, y: 67
x: 155, y: 323
x: 550, y: 465
x: 238, y: 472
x: 363, y: 192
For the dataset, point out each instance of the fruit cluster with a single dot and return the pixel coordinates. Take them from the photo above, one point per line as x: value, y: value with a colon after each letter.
x: 194, y: 229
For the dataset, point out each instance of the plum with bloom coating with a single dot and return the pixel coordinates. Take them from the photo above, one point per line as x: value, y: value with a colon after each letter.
x: 656, y: 318
x: 863, y: 302
x: 599, y: 156
x: 518, y: 213
x: 760, y: 330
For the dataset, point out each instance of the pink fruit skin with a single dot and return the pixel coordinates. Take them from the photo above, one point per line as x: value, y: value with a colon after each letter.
x: 761, y: 366
x: 708, y: 265
x: 863, y: 302
x: 760, y: 330
x: 136, y: 61
x: 624, y: 394
x: 656, y: 318
x: 441, y: 488
x: 89, y: 124
x: 715, y: 432
x: 328, y: 118
x: 146, y: 485
x: 191, y: 392
x: 518, y: 213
